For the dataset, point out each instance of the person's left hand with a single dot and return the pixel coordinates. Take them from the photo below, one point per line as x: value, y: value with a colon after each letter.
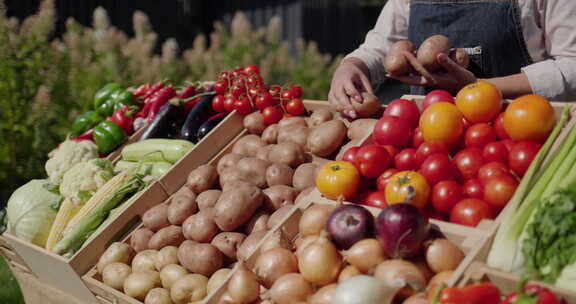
x: 455, y: 78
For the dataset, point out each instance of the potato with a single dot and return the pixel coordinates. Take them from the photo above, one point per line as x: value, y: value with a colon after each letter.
x: 116, y: 253
x: 200, y: 227
x: 360, y: 128
x: 156, y: 217
x: 287, y: 153
x: 429, y: 50
x: 158, y: 296
x: 326, y: 138
x: 207, y: 199
x: 319, y: 116
x: 182, y: 205
x: 236, y: 206
x: 297, y: 135
x: 171, y: 273
x: 292, y: 122
x: 166, y: 256
x: 279, y: 215
x: 231, y: 174
x: 254, y: 123
x: 460, y: 57
x: 395, y: 62
x: 114, y: 275
x: 305, y: 176
x: 370, y: 105
x: 270, y: 134
x: 144, y: 260
x: 263, y: 153
x: 278, y: 196
x: 140, y: 239
x: 235, y: 184
x: 217, y: 279
x: 228, y: 160
x: 253, y: 170
x: 228, y: 243
x: 138, y: 284
x: 169, y: 236
x: 257, y: 222
x: 279, y: 174
x: 189, y: 288
x: 199, y: 258
x: 249, y: 245
x: 248, y: 145
x: 202, y: 178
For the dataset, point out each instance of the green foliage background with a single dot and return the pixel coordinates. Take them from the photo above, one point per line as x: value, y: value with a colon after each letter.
x: 45, y: 83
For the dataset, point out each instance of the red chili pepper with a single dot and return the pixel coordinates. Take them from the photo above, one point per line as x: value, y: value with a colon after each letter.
x: 216, y: 116
x: 153, y: 89
x: 190, y: 105
x: 142, y: 90
x: 124, y: 118
x: 189, y: 91
x: 144, y: 111
x: 532, y: 294
x: 158, y: 101
x: 482, y: 293
x: 85, y: 136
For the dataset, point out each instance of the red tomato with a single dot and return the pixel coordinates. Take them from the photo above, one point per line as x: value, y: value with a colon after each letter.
x: 498, y: 190
x: 372, y: 198
x: 499, y: 127
x: 286, y: 95
x: 238, y: 90
x: 418, y: 139
x: 470, y: 212
x: 437, y: 167
x: 426, y: 149
x: 296, y: 90
x: 252, y: 69
x: 445, y: 195
x: 465, y: 123
x: 492, y: 169
x: 478, y: 135
x: 263, y: 101
x: 384, y: 178
x: 436, y: 96
x: 229, y: 104
x: 473, y: 188
x: 220, y: 87
x: 295, y: 107
x: 495, y: 151
x: 272, y: 115
x: 372, y: 160
x: 521, y: 156
x: 404, y: 109
x: 405, y: 160
x: 391, y: 130
x: 350, y: 155
x: 275, y: 90
x: 508, y: 143
x: 218, y: 103
x: 391, y: 150
x: 468, y: 162
x: 243, y: 106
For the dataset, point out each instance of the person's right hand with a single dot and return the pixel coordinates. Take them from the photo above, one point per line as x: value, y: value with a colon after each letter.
x: 350, y: 80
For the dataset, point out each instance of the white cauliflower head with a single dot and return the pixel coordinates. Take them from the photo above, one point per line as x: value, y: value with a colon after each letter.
x: 68, y: 154
x: 83, y: 179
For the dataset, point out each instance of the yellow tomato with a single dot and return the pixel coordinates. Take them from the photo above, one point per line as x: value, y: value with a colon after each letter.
x: 338, y: 179
x: 441, y: 122
x: 479, y: 102
x: 529, y: 117
x: 408, y: 187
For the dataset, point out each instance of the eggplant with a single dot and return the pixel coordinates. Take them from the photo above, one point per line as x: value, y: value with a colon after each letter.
x: 210, y: 124
x: 161, y: 125
x: 197, y: 116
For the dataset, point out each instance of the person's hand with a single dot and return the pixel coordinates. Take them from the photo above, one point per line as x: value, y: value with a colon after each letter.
x: 349, y: 81
x: 455, y: 78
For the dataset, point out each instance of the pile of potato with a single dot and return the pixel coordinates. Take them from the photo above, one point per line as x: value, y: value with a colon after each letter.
x: 188, y: 244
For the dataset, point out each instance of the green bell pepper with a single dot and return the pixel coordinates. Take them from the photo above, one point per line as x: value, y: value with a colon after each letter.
x: 104, y: 94
x: 84, y: 122
x: 112, y: 98
x: 108, y: 136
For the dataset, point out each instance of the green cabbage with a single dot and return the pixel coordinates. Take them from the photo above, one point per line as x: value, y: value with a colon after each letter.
x: 31, y: 211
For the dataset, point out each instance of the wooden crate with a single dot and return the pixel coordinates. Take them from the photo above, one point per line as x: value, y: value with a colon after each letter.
x: 506, y: 282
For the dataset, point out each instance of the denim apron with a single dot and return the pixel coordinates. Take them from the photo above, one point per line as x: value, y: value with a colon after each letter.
x: 489, y: 31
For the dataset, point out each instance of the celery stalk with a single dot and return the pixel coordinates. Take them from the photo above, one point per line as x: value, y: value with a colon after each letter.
x: 503, y: 252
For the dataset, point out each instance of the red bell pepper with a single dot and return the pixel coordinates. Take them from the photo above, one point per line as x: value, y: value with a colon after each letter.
x: 531, y: 294
x: 158, y: 100
x: 85, y: 136
x: 482, y: 293
x: 124, y: 117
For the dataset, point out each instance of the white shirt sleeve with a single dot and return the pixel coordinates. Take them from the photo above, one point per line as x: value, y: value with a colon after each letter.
x: 555, y: 77
x: 392, y: 25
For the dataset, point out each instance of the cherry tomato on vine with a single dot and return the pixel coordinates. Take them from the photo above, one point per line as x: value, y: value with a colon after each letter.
x: 218, y: 103
x: 229, y: 104
x: 263, y: 101
x: 296, y: 90
x: 220, y: 87
x: 272, y: 115
x: 295, y: 107
x: 252, y: 69
x: 274, y: 90
x: 238, y: 90
x: 243, y: 106
x: 286, y: 95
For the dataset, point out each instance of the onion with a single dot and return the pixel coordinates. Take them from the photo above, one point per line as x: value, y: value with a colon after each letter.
x: 278, y: 239
x: 365, y: 255
x: 442, y: 255
x: 217, y: 279
x: 314, y: 219
x: 301, y: 243
x: 401, y: 271
x: 348, y: 272
x: 279, y: 215
x: 401, y: 228
x: 320, y: 261
x: 171, y: 273
x: 273, y: 264
x: 437, y: 280
x: 290, y: 288
x: 324, y: 295
x: 349, y: 224
x: 365, y: 289
x: 258, y: 222
x: 243, y: 286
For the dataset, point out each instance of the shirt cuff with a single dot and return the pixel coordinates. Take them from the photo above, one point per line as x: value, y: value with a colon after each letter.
x: 374, y: 64
x: 546, y: 79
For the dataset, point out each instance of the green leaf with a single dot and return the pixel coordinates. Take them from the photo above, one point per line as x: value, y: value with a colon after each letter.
x: 85, y: 195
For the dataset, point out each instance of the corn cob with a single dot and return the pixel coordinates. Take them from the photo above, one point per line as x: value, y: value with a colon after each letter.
x: 66, y: 212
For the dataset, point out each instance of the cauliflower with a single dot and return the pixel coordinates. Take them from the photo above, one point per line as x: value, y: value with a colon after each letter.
x: 83, y: 179
x: 68, y: 154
